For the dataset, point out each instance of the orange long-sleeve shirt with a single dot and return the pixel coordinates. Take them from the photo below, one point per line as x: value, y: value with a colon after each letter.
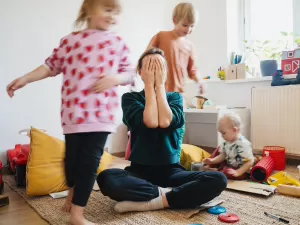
x: 179, y: 54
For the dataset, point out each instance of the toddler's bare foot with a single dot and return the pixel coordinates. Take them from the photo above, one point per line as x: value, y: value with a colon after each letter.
x: 68, y: 203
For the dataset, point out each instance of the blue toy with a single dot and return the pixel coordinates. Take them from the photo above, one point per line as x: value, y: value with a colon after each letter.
x: 216, y: 210
x: 278, y: 79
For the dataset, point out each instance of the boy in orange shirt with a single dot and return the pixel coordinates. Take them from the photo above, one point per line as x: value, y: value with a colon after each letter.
x: 178, y: 50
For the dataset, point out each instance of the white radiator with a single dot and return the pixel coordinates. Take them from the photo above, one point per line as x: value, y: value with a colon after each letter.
x: 275, y: 118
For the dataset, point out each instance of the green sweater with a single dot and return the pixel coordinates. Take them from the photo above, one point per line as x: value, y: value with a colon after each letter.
x: 158, y: 146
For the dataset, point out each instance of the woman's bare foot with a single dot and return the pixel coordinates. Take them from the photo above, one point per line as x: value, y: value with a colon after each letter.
x: 68, y: 203
x: 77, y: 216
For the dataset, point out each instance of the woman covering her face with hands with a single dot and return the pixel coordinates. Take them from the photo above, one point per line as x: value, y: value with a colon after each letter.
x: 155, y: 179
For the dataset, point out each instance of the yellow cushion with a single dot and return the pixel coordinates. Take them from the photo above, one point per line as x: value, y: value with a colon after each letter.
x: 191, y: 153
x: 106, y: 160
x: 45, y: 166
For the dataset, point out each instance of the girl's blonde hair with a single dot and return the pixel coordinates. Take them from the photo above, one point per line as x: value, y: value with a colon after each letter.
x: 88, y: 6
x: 185, y: 11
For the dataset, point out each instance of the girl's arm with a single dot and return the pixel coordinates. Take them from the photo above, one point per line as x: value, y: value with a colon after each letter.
x: 125, y: 75
x: 52, y: 67
x: 39, y: 73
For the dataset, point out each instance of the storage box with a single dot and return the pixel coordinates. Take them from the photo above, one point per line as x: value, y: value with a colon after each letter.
x: 230, y: 72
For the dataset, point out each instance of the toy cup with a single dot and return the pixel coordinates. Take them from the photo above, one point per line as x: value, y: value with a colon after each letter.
x: 197, y: 166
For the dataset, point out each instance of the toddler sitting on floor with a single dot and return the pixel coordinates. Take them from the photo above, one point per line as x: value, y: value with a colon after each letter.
x: 234, y: 157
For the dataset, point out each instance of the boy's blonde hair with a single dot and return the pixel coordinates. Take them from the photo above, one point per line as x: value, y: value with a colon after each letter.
x: 88, y: 6
x: 186, y: 12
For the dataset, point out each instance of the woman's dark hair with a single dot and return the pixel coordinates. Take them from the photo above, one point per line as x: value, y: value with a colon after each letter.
x: 151, y: 51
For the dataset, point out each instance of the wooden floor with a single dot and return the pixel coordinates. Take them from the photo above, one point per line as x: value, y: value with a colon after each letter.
x: 18, y: 212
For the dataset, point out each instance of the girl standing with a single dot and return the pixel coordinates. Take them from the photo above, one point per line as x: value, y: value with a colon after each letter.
x: 93, y: 62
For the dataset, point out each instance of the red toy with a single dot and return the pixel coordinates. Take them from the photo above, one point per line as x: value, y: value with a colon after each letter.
x: 263, y: 169
x: 278, y: 154
x: 1, y: 180
x: 17, y: 160
x: 228, y: 218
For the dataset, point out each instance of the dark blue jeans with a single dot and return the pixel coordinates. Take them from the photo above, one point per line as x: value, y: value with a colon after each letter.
x: 140, y: 183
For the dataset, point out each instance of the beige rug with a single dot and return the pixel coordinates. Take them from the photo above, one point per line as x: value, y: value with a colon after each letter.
x: 250, y: 209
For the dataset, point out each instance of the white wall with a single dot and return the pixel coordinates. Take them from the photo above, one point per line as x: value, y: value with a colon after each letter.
x: 30, y: 29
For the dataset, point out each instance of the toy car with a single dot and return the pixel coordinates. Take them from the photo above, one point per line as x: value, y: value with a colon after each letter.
x: 1, y: 180
x: 17, y: 161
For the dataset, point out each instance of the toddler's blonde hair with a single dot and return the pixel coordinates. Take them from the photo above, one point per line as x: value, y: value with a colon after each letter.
x: 185, y: 11
x: 87, y: 7
x: 233, y: 119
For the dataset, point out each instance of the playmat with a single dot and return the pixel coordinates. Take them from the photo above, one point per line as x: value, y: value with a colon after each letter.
x: 250, y: 209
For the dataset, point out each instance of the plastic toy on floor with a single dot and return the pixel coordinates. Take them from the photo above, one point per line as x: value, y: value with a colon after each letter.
x: 278, y: 80
x: 17, y: 159
x: 283, y: 178
x: 263, y: 169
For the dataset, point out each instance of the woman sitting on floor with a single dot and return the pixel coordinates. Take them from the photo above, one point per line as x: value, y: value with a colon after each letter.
x: 155, y: 180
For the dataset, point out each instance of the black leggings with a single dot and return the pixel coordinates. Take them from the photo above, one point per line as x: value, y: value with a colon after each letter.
x: 82, y: 157
x: 140, y: 183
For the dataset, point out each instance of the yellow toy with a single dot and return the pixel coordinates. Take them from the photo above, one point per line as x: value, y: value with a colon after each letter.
x: 221, y: 74
x: 282, y: 178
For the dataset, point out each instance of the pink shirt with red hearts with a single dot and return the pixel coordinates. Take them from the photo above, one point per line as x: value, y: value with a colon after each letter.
x: 81, y: 58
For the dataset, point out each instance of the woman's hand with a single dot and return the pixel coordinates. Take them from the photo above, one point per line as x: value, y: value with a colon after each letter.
x: 148, y: 71
x: 160, y: 71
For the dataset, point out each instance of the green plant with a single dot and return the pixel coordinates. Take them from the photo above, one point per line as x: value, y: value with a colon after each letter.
x: 267, y: 49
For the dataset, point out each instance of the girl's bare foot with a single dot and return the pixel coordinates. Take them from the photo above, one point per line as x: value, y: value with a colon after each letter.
x: 81, y: 221
x: 68, y: 203
x: 77, y: 216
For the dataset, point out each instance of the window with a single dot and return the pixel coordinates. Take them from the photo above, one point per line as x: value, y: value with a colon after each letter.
x: 266, y: 19
x: 269, y: 28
